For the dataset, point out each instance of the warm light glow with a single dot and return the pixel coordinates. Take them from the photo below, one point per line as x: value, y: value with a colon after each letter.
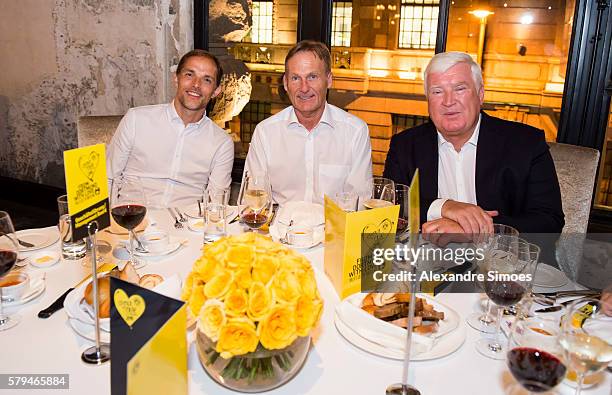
x: 556, y: 87
x: 505, y: 4
x: 378, y: 73
x: 527, y: 19
x: 407, y: 75
x: 482, y: 14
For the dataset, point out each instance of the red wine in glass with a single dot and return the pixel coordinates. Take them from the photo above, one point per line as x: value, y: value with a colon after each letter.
x: 254, y: 220
x: 402, y: 225
x: 504, y: 293
x: 7, y: 261
x: 129, y: 216
x: 536, y: 370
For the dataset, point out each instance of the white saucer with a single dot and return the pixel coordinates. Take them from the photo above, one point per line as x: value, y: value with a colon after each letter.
x: 41, y: 238
x: 278, y: 230
x: 44, y: 259
x: 549, y: 277
x: 37, y: 287
x: 88, y: 331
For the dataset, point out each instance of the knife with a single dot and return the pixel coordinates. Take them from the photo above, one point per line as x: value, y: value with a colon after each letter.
x: 551, y: 309
x: 59, y: 302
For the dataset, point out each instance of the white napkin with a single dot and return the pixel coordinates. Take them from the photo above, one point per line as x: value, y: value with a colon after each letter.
x: 170, y: 287
x: 377, y: 330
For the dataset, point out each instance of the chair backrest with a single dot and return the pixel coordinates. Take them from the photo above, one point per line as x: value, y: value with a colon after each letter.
x: 576, y: 168
x: 96, y: 129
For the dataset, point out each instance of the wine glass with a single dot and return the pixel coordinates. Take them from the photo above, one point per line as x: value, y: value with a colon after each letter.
x: 8, y: 256
x: 586, y: 338
x: 484, y: 322
x: 535, y: 356
x: 128, y: 207
x: 255, y: 200
x: 383, y: 193
x: 402, y: 198
x: 506, y: 282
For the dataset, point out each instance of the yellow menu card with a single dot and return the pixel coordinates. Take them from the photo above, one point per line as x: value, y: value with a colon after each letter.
x: 345, y: 254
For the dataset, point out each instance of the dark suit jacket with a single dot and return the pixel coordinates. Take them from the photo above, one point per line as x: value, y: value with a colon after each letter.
x: 515, y: 174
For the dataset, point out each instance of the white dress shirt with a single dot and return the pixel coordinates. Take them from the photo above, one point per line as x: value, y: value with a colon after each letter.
x: 334, y: 156
x: 175, y: 162
x: 456, y: 173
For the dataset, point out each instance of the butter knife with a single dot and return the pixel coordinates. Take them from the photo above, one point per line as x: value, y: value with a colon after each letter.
x: 59, y: 302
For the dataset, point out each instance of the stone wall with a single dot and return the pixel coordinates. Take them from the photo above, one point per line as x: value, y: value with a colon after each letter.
x: 61, y: 59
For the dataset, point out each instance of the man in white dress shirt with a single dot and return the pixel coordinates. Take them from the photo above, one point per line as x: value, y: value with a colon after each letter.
x: 311, y: 148
x: 174, y: 148
x: 475, y: 169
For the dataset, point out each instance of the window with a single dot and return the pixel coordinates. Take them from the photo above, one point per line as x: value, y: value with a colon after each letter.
x: 342, y: 14
x: 405, y: 121
x: 253, y: 113
x: 418, y: 24
x: 262, y: 22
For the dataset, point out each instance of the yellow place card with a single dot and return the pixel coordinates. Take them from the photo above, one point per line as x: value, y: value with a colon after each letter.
x: 87, y: 188
x: 345, y: 255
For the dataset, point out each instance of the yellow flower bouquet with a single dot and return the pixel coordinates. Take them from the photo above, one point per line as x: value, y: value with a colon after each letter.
x: 256, y: 302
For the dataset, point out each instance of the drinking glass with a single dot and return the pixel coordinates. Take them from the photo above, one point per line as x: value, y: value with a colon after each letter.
x: 506, y: 282
x: 71, y: 249
x: 347, y: 201
x: 128, y: 207
x: 535, y: 356
x: 586, y: 338
x: 8, y: 256
x: 402, y: 198
x: 485, y: 322
x: 383, y: 193
x: 255, y: 200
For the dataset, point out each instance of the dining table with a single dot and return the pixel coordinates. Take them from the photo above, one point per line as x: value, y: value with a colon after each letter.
x: 333, y: 365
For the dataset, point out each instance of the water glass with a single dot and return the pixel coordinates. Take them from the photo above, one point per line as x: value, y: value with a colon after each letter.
x: 215, y: 223
x: 70, y: 249
x: 347, y: 201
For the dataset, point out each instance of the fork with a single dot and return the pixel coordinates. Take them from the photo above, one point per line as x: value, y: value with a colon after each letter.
x: 177, y: 224
x: 140, y: 247
x: 182, y: 219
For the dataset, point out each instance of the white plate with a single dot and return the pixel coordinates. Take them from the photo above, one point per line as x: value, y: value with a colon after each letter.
x: 279, y: 230
x: 41, y: 238
x: 445, y: 345
x: 172, y: 246
x: 37, y: 287
x: 44, y: 259
x: 76, y: 311
x: 192, y: 212
x: 88, y: 331
x: 549, y: 277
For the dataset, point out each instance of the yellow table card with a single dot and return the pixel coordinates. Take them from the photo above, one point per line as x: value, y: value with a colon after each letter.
x: 87, y: 188
x: 345, y: 254
x: 148, y: 342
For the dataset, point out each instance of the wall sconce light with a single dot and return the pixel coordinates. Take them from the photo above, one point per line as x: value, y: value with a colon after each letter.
x: 481, y: 14
x: 527, y: 19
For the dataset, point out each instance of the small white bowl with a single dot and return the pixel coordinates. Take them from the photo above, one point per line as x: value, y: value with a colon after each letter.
x: 155, y: 241
x: 300, y: 236
x: 44, y: 259
x: 14, y: 285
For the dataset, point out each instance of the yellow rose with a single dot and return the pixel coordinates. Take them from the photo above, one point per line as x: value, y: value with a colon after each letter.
x: 307, y: 314
x: 243, y: 278
x: 239, y: 256
x: 278, y: 329
x: 217, y: 249
x: 308, y: 283
x: 212, y: 318
x: 237, y: 337
x: 236, y: 302
x: 295, y: 262
x: 285, y: 286
x: 219, y: 285
x: 264, y: 268
x: 260, y: 301
x: 196, y: 299
x: 187, y: 287
x: 207, y: 267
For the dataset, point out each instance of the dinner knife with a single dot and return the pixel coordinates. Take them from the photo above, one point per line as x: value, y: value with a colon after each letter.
x: 59, y: 302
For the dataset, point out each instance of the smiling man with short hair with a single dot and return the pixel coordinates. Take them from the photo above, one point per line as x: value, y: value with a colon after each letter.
x: 311, y: 148
x: 175, y: 149
x: 475, y: 169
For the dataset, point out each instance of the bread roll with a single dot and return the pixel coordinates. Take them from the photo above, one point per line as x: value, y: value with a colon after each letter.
x: 150, y: 281
x: 104, y: 299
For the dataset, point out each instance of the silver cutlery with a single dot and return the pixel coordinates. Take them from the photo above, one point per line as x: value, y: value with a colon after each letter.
x: 177, y: 224
x: 549, y: 298
x: 25, y: 243
x: 181, y: 218
x: 283, y: 239
x: 140, y: 247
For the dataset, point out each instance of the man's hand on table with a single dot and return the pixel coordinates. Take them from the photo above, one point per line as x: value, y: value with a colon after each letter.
x: 470, y: 217
x: 443, y: 231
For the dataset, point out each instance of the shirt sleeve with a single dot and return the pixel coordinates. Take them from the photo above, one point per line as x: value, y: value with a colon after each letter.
x: 120, y: 147
x: 360, y: 174
x: 435, y: 209
x: 221, y: 168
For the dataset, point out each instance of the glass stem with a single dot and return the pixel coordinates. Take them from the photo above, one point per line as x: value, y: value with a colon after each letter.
x: 2, y: 319
x: 496, y: 344
x: 486, y: 318
x: 131, y: 237
x: 579, y: 383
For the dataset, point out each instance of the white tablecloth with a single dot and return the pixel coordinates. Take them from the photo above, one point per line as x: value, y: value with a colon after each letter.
x: 333, y: 366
